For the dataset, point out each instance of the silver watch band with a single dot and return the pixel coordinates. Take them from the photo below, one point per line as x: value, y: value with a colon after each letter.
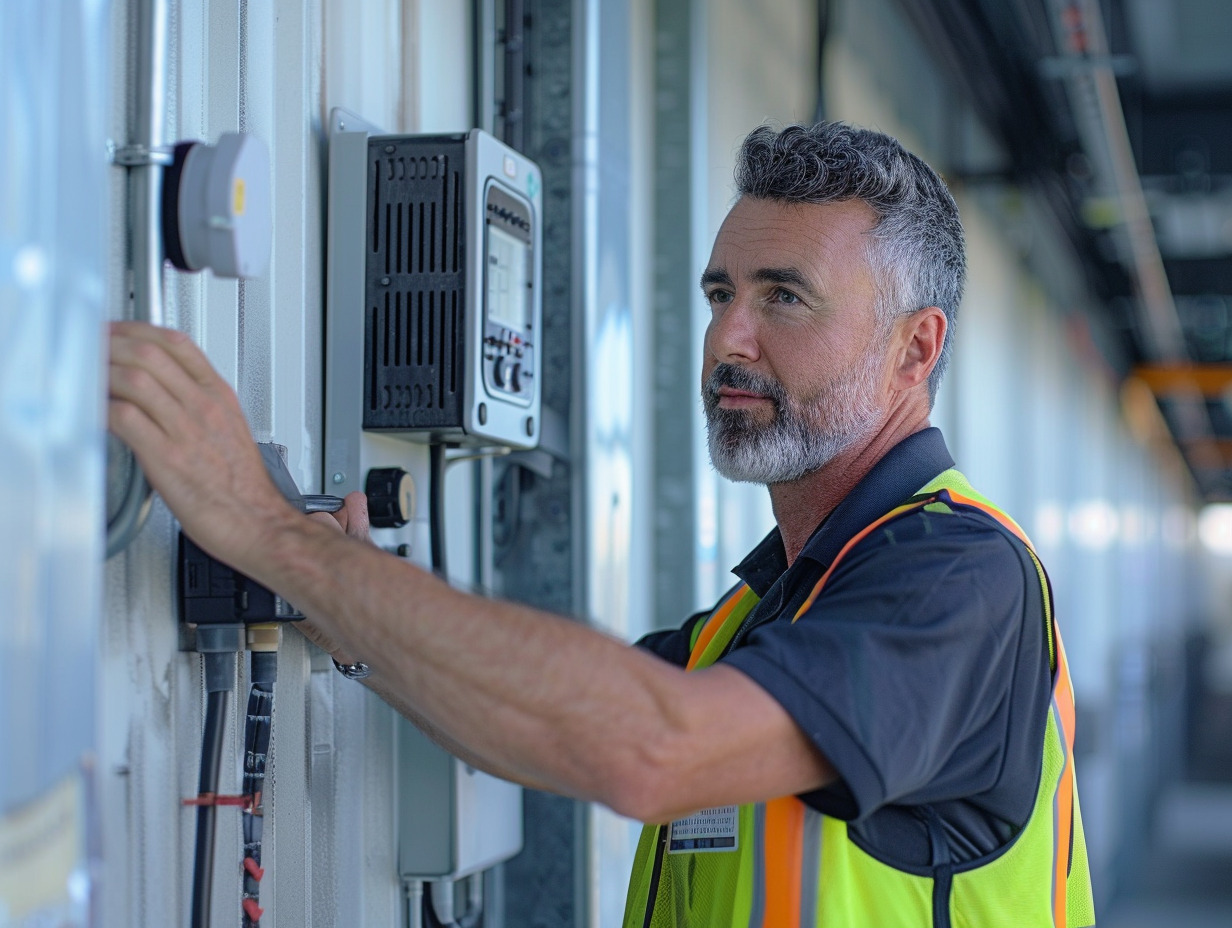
x: 356, y: 671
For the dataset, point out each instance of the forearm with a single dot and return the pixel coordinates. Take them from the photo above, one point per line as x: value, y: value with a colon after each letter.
x: 530, y: 696
x: 454, y: 747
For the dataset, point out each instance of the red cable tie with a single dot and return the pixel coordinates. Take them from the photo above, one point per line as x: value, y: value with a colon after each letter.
x: 214, y: 799
x: 252, y: 910
x: 254, y: 869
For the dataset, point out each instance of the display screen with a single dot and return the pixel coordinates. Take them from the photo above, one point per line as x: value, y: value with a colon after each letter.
x: 508, y: 294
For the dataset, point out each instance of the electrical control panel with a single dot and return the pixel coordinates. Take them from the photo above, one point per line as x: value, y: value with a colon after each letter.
x: 432, y: 336
x: 434, y: 308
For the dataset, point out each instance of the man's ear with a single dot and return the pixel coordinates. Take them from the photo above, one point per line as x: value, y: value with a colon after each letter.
x: 921, y: 336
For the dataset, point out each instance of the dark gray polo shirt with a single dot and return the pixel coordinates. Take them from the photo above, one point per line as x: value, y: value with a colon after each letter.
x: 921, y: 672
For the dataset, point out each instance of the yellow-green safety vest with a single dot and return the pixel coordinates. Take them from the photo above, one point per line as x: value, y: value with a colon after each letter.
x: 792, y: 866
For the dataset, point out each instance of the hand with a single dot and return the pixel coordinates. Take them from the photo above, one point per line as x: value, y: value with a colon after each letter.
x: 185, y: 425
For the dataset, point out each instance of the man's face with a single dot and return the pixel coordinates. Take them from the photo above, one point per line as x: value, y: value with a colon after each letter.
x: 793, y: 372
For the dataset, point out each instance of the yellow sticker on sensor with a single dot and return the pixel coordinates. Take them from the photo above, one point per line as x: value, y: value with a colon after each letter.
x: 237, y: 197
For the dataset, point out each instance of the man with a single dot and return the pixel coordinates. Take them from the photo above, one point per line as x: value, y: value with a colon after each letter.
x: 864, y: 732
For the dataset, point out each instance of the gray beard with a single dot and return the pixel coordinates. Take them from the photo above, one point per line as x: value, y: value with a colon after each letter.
x: 801, y: 438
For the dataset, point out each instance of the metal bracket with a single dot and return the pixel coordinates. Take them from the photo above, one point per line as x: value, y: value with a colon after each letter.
x: 138, y: 156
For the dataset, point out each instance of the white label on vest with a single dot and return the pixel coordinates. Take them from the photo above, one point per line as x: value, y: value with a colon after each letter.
x: 708, y: 830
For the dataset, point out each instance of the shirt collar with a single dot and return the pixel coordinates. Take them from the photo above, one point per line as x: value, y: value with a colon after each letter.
x: 901, y: 472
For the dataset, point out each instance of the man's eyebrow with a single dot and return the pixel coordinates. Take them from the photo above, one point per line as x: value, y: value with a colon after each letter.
x: 765, y: 275
x: 785, y: 275
x: 715, y: 275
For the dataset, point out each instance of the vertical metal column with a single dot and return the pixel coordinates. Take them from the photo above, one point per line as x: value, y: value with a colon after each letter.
x: 675, y: 295
x: 513, y: 113
x: 538, y: 562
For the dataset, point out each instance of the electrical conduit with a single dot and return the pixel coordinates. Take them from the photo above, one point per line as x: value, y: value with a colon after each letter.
x: 144, y: 162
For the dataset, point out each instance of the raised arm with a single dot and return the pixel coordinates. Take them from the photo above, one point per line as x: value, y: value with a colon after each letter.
x: 532, y: 696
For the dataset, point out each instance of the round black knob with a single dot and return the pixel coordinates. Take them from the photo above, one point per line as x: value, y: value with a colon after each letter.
x: 391, y: 497
x: 498, y: 372
x: 515, y: 378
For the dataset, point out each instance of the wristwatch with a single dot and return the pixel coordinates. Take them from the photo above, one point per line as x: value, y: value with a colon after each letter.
x: 356, y: 671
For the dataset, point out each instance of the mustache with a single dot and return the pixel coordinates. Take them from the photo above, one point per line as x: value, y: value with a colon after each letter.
x: 740, y: 378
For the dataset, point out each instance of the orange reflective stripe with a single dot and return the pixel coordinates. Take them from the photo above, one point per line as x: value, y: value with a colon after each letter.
x: 1001, y: 517
x: 995, y: 513
x: 783, y: 850
x: 856, y: 539
x: 1063, y: 804
x: 714, y: 623
x: 1063, y: 809
x: 1064, y: 695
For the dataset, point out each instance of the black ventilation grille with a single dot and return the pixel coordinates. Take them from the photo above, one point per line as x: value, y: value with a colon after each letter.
x: 413, y: 363
x: 415, y: 325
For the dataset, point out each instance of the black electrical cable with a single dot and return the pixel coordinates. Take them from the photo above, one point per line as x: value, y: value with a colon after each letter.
x: 257, y: 731
x: 207, y: 787
x: 217, y: 645
x: 436, y: 510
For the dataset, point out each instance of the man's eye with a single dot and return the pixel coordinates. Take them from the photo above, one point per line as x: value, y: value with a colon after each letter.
x: 786, y: 296
x: 719, y: 296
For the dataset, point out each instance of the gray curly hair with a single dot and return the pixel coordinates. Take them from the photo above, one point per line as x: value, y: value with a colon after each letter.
x: 916, y: 249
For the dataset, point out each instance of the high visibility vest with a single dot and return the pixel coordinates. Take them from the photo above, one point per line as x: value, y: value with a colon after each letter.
x: 793, y: 866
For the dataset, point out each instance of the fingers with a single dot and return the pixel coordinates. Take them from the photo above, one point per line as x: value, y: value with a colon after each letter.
x: 356, y: 516
x: 159, y: 369
x: 128, y: 422
x: 140, y: 398
x: 185, y: 424
x: 175, y: 343
x: 159, y: 378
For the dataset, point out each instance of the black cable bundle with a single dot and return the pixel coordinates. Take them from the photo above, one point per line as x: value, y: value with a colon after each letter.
x: 219, y: 673
x: 257, y: 731
x: 436, y: 510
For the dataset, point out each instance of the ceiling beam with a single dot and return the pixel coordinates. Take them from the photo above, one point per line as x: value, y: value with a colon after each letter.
x: 1169, y: 380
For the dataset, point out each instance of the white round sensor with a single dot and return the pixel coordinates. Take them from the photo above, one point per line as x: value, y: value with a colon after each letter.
x: 222, y: 207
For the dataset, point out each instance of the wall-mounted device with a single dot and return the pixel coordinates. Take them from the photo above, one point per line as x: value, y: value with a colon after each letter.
x: 196, y: 206
x: 217, y: 208
x: 433, y: 329
x: 434, y: 308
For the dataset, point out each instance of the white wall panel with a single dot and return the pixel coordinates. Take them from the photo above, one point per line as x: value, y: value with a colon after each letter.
x: 272, y: 70
x: 363, y: 59
x: 761, y: 66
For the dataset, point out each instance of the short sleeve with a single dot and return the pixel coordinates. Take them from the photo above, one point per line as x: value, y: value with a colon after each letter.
x: 918, y: 669
x: 673, y: 645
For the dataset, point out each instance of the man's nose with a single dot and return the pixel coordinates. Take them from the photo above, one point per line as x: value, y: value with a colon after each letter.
x: 732, y: 334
